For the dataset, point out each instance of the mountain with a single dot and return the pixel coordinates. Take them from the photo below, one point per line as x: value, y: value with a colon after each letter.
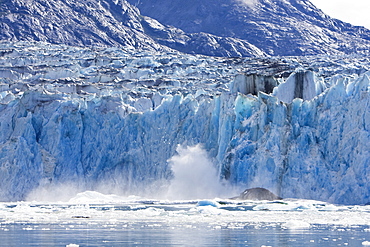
x: 281, y: 27
x: 80, y: 23
x: 199, y: 43
x: 227, y: 28
x: 107, y: 23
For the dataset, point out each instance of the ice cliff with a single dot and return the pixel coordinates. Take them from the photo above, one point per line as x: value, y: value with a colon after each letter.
x: 112, y: 118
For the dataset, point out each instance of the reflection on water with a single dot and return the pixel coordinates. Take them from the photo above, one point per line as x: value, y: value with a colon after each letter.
x: 132, y: 222
x: 152, y: 234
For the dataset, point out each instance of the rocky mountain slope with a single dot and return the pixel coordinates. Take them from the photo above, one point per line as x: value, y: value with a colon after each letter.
x: 108, y: 23
x: 217, y: 28
x: 280, y: 27
x: 74, y: 23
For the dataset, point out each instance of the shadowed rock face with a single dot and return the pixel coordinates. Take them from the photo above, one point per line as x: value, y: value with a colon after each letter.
x: 271, y: 26
x: 77, y: 23
x: 257, y: 194
x: 226, y: 28
x: 108, y: 23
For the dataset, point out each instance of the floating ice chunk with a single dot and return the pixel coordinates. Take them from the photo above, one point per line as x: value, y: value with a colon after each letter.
x: 210, y: 210
x: 296, y: 224
x: 366, y: 243
x: 72, y: 245
x: 150, y: 212
x: 94, y: 197
x: 208, y: 203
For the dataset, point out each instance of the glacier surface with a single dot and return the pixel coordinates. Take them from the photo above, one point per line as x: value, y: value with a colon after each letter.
x: 110, y: 120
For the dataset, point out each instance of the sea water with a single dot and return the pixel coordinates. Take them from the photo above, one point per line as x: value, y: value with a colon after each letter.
x: 94, y: 219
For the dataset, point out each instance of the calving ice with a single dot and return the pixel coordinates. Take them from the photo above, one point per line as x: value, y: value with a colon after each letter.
x: 111, y: 120
x: 158, y: 123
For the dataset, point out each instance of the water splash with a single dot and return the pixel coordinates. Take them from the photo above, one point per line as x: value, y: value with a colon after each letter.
x: 55, y: 192
x: 195, y: 175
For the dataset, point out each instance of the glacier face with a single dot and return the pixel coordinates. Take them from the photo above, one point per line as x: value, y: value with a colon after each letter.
x: 109, y: 118
x: 307, y: 149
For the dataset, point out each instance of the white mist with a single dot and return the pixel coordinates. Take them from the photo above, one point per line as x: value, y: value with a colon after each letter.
x: 195, y: 175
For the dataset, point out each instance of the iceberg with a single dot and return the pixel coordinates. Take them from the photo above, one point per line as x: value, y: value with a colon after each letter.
x: 110, y: 120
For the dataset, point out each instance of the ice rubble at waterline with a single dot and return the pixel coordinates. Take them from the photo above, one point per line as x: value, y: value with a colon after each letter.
x: 109, y: 120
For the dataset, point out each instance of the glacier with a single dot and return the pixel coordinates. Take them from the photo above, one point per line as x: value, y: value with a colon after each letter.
x: 111, y: 119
